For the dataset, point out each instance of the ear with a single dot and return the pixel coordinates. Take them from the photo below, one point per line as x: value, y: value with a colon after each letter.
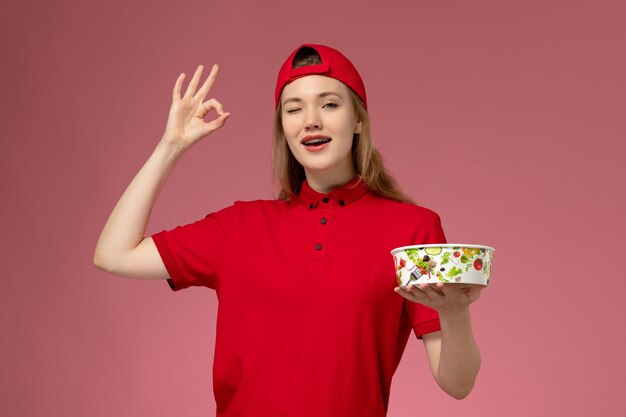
x: 359, y: 127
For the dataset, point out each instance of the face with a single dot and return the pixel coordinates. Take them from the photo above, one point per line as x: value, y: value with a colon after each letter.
x: 319, y: 122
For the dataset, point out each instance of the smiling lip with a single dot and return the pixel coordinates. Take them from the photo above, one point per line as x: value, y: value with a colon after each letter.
x: 315, y: 147
x: 311, y: 137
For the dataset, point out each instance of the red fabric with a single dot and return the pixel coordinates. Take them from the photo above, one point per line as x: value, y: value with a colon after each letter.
x: 303, y: 331
x: 334, y: 64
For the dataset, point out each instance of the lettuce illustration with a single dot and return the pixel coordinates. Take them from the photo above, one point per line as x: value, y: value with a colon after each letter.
x: 454, y: 272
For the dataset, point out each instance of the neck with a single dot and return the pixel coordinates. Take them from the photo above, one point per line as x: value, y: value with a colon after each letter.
x: 324, y: 182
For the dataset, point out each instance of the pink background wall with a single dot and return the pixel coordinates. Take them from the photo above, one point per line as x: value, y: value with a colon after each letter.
x: 506, y: 117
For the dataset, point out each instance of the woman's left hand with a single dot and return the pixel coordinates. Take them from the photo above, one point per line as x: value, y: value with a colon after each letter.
x: 444, y: 298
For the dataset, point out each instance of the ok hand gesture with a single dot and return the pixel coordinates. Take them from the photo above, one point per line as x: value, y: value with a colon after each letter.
x: 185, y: 123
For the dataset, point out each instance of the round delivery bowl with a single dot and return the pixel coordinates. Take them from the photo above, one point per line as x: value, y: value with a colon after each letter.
x: 454, y: 263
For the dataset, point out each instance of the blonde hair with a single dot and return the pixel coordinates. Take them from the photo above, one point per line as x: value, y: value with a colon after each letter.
x: 368, y: 162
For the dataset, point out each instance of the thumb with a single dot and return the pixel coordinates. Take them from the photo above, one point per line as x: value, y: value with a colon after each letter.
x: 216, y: 124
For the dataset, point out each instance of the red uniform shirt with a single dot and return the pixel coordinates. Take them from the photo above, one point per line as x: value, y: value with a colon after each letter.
x: 308, y: 323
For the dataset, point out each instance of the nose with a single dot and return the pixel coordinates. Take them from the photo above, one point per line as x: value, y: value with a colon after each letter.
x: 313, y: 121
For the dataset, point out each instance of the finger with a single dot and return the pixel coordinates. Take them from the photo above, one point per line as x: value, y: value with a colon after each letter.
x: 474, y: 293
x: 411, y: 294
x: 406, y: 289
x: 208, y: 83
x: 177, y: 85
x: 211, y: 104
x: 411, y: 288
x: 419, y: 287
x: 444, y: 289
x: 431, y: 291
x: 417, y: 290
x: 191, y: 88
x: 216, y: 124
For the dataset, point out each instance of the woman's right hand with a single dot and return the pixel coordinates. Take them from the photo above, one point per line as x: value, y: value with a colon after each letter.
x: 185, y: 123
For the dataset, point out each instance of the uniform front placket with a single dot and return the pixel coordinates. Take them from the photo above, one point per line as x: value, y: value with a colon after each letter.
x: 323, y: 216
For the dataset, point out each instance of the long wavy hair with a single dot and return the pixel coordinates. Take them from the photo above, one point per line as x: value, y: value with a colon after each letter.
x: 368, y: 162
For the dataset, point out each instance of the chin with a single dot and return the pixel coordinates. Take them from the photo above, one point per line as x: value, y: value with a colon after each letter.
x: 319, y: 166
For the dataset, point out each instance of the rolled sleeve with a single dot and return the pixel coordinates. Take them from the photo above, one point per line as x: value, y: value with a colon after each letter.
x: 192, y: 253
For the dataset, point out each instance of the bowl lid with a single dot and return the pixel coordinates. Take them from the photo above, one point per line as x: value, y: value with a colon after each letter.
x: 443, y: 245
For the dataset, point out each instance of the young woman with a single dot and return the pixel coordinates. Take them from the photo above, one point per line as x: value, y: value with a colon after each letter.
x: 310, y: 319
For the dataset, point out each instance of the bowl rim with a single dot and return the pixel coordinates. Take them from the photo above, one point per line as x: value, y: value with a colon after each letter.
x: 443, y: 245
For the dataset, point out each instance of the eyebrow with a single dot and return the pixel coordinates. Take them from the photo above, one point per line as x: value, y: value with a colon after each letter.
x: 320, y: 95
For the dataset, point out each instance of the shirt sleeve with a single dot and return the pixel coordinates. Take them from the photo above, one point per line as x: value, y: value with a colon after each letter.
x: 425, y: 319
x: 191, y: 253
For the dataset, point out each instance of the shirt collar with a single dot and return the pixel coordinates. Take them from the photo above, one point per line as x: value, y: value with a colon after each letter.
x: 342, y: 195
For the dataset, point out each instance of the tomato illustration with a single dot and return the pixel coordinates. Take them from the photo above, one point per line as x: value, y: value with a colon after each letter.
x: 457, y: 254
x: 478, y: 264
x: 402, y: 263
